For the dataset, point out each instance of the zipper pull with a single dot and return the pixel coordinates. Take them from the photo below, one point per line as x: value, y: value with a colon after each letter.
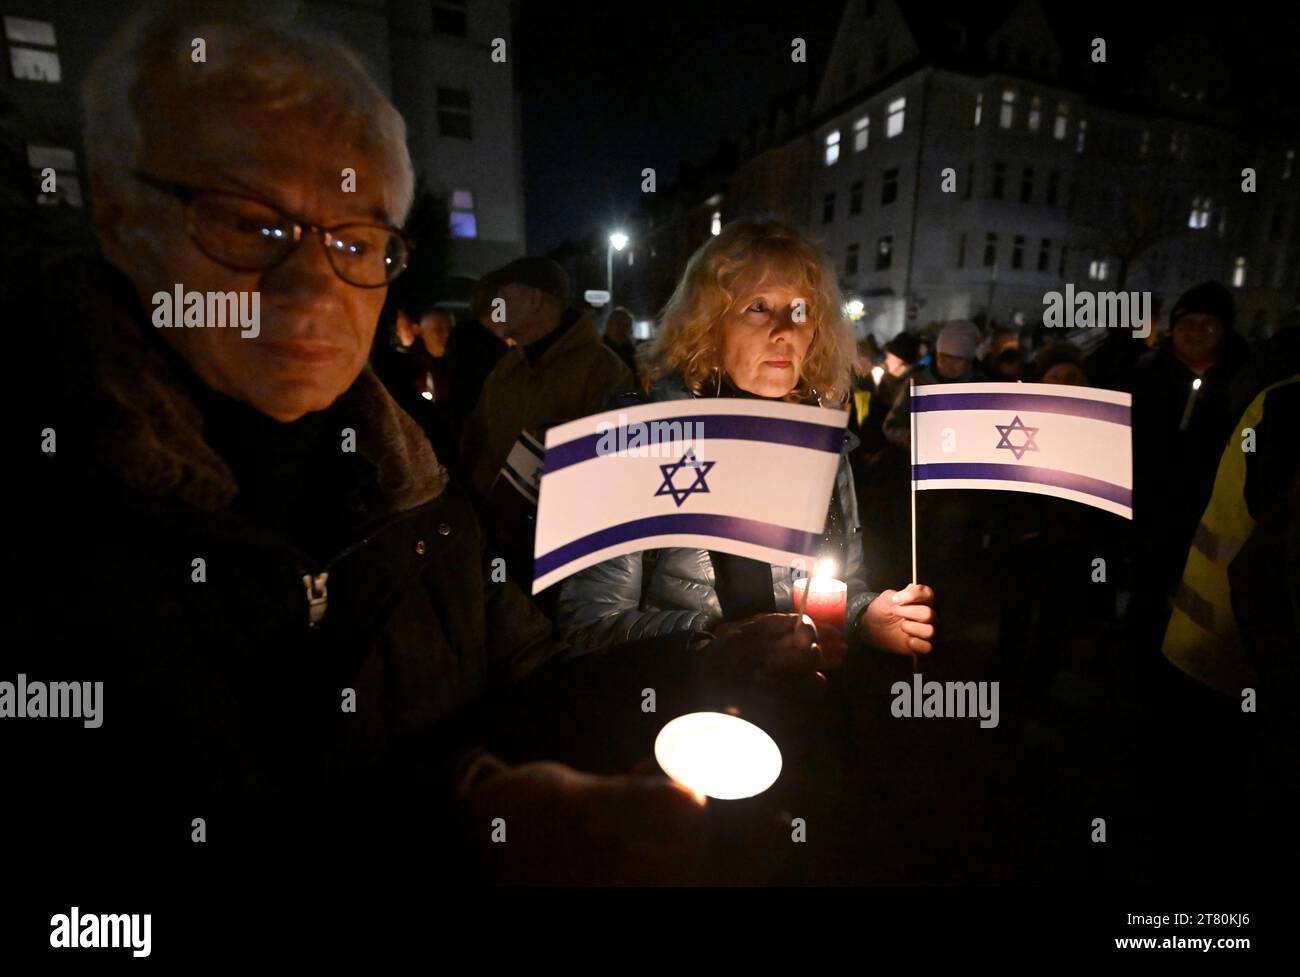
x: 317, y: 600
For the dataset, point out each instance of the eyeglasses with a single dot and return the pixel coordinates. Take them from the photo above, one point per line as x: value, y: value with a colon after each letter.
x: 248, y: 234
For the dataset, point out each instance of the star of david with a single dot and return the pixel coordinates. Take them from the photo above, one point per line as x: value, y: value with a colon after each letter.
x: 688, y: 460
x: 1005, y: 430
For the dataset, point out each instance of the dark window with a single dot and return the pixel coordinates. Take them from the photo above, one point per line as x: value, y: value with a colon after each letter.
x: 828, y: 208
x: 885, y: 253
x: 453, y: 113
x: 889, y: 189
x: 1018, y: 252
x: 999, y: 180
x: 1045, y: 254
x: 1053, y: 187
x: 855, y: 198
x: 1027, y: 185
x: 882, y: 56
x: 1060, y: 269
x: 970, y: 180
x: 961, y: 251
x: 851, y: 261
x: 449, y: 17
x: 1277, y: 228
x: 990, y: 249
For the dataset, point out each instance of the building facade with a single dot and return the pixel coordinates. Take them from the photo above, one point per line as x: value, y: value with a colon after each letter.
x: 434, y: 58
x: 965, y: 164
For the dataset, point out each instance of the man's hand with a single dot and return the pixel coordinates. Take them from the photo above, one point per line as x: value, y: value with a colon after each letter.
x: 771, y: 649
x: 899, y: 621
x: 565, y: 826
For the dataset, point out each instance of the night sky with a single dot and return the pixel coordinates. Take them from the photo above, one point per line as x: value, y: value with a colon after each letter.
x: 609, y: 88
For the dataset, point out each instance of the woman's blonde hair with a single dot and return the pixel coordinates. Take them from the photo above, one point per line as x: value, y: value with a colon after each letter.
x: 689, y: 342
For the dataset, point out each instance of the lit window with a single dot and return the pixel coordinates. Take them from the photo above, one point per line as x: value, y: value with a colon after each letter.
x: 1098, y: 269
x: 463, y: 222
x: 1289, y: 164
x: 1199, y: 218
x: 885, y: 253
x: 1035, y: 113
x: 715, y: 225
x: 1239, y: 273
x: 1008, y: 114
x: 33, y: 54
x: 67, y: 187
x: 1081, y: 137
x: 979, y: 107
x: 453, y: 113
x: 894, y: 124
x: 1062, y: 120
x: 832, y: 147
x: 861, y: 134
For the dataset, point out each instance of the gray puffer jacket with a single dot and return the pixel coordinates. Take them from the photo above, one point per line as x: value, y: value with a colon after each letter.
x: 659, y: 592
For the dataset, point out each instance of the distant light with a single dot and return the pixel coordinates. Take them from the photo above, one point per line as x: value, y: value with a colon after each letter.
x: 426, y: 395
x: 619, y: 240
x: 716, y: 755
x: 1196, y: 384
x: 855, y: 309
x: 715, y: 228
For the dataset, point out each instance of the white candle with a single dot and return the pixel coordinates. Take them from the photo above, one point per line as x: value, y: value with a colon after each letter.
x: 713, y: 754
x: 1191, y: 402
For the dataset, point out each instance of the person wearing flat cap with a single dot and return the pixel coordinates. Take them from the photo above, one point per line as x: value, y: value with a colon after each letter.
x: 558, y: 370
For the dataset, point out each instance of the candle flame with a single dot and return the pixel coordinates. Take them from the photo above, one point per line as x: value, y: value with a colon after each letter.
x: 1196, y: 384
x: 825, y: 568
x: 876, y: 373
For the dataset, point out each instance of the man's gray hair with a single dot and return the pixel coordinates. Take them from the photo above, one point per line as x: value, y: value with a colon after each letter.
x: 255, y: 59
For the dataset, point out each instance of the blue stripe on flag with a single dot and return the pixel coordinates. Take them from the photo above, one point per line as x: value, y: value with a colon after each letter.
x: 734, y: 427
x: 1046, y: 403
x: 1027, y: 473
x: 703, y: 524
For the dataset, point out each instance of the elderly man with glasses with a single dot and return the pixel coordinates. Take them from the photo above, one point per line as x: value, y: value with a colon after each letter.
x: 240, y: 534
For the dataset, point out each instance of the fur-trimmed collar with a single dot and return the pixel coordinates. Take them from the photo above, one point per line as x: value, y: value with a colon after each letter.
x: 145, y: 428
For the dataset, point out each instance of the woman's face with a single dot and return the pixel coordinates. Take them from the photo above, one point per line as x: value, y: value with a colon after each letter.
x: 765, y: 337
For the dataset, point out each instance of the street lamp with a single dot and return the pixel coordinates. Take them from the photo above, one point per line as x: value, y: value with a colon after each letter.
x: 617, y: 242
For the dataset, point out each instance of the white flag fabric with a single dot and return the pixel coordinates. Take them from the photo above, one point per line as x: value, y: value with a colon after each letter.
x: 1069, y: 442
x: 747, y: 477
x: 523, y: 467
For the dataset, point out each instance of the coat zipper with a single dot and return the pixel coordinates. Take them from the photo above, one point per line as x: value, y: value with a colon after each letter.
x: 316, y: 584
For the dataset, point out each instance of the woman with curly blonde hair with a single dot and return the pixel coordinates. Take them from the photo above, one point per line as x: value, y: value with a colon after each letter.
x: 757, y: 314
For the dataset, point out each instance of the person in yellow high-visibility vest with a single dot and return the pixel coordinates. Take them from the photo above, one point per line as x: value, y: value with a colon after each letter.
x: 1202, y: 638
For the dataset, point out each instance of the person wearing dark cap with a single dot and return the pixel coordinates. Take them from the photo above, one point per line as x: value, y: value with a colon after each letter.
x: 1181, y: 422
x: 559, y: 370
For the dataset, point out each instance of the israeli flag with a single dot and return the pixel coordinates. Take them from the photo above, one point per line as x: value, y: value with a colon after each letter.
x: 1068, y: 442
x: 747, y: 477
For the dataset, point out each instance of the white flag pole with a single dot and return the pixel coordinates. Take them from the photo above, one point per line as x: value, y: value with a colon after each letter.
x: 911, y: 403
